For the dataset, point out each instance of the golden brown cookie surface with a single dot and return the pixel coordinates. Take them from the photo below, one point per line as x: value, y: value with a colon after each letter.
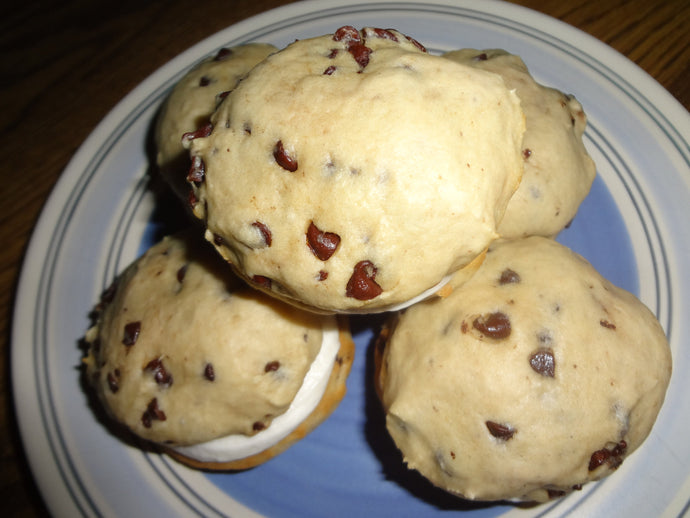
x: 354, y: 171
x: 558, y: 170
x: 185, y: 352
x: 192, y: 101
x: 534, y: 377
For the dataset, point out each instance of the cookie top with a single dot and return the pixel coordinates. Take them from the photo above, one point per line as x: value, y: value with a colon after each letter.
x: 534, y: 377
x: 354, y: 171
x: 192, y: 101
x: 558, y: 170
x: 184, y: 352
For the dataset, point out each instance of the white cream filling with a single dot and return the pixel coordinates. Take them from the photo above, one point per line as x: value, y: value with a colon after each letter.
x: 234, y: 447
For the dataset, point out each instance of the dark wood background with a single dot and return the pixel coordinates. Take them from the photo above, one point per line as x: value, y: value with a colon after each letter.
x: 64, y: 64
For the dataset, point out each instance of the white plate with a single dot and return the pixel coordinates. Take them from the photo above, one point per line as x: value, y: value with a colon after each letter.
x: 633, y: 227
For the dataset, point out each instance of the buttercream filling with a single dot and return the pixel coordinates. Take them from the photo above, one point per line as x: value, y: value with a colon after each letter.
x: 238, y: 446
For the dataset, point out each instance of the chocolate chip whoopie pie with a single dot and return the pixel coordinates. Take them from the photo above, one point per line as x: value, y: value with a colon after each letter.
x: 219, y: 375
x: 355, y: 172
x: 558, y: 170
x: 532, y: 378
x: 192, y: 101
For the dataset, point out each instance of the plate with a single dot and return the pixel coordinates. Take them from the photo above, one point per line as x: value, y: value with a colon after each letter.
x: 102, y: 214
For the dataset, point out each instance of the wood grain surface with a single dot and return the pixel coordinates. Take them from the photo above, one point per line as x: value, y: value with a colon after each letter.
x: 64, y: 64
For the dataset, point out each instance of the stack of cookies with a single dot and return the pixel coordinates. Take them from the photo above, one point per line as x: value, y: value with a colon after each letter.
x: 356, y: 173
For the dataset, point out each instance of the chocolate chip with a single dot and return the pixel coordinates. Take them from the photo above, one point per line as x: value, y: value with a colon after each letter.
x: 258, y: 426
x: 272, y: 366
x: 151, y: 413
x: 509, y: 276
x: 613, y: 457
x: 361, y: 54
x: 352, y: 39
x: 191, y: 199
x: 323, y: 275
x: 181, y: 272
x: 494, y: 325
x: 262, y: 281
x: 526, y: 153
x: 415, y: 43
x: 555, y: 493
x: 201, y: 132
x: 329, y: 71
x: 362, y: 284
x: 96, y: 345
x: 106, y: 298
x: 481, y: 57
x: 204, y: 81
x: 381, y: 33
x: 543, y: 362
x: 223, y: 54
x: 322, y: 244
x: 113, y: 379
x: 265, y: 232
x: 209, y: 372
x: 598, y: 458
x: 161, y: 376
x: 197, y: 171
x: 347, y: 33
x: 619, y: 449
x: 131, y: 335
x: 283, y: 159
x: 500, y: 431
x: 218, y: 240
x: 109, y: 293
x: 607, y: 324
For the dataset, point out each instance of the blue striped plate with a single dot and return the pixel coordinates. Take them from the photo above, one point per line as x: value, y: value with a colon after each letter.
x: 101, y: 215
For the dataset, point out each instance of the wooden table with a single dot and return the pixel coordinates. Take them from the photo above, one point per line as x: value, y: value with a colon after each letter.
x: 66, y: 63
